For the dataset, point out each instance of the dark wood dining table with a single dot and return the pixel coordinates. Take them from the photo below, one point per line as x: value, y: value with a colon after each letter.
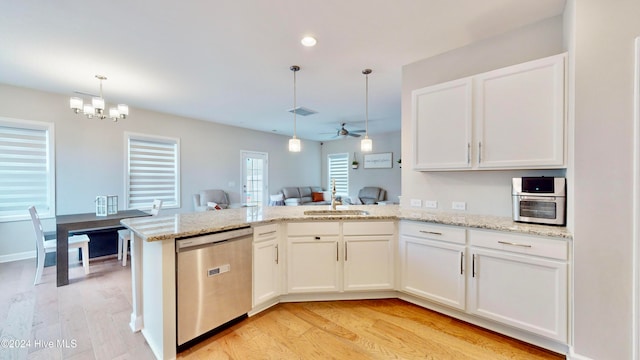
x: 83, y: 222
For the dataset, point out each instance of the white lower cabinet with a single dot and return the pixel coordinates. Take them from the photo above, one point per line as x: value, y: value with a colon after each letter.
x: 520, y: 281
x: 334, y: 256
x: 513, y: 279
x: 313, y: 257
x: 432, y: 259
x: 368, y: 255
x: 266, y: 263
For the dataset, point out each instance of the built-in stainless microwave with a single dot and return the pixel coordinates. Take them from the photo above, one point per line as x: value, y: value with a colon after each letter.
x: 539, y: 200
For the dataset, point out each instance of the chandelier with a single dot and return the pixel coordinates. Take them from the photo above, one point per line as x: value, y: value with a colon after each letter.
x: 97, y: 105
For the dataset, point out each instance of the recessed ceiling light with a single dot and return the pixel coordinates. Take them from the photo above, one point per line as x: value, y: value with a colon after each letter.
x: 308, y: 41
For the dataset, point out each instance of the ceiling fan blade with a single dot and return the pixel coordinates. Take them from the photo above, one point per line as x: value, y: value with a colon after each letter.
x: 358, y: 131
x: 354, y: 135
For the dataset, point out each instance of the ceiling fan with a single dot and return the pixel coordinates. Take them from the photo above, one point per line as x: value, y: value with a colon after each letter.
x: 344, y: 132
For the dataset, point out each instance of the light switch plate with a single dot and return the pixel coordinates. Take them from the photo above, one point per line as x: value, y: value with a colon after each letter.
x: 416, y: 202
x: 459, y: 205
x: 431, y: 204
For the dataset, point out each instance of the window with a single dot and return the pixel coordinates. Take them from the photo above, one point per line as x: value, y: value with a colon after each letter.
x: 27, y: 176
x: 339, y: 170
x: 153, y: 171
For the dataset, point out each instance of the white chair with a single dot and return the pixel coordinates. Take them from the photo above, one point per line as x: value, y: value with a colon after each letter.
x: 48, y: 246
x: 124, y: 235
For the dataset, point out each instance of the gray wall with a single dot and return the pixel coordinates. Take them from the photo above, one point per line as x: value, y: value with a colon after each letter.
x: 388, y: 179
x: 602, y: 35
x: 90, y: 157
x: 485, y: 192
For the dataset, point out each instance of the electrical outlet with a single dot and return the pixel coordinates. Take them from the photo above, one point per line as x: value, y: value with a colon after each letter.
x: 431, y: 204
x: 416, y: 202
x: 459, y: 205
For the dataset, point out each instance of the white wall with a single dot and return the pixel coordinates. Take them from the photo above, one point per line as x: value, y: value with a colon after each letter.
x: 388, y: 179
x: 90, y: 157
x: 603, y: 39
x: 486, y: 192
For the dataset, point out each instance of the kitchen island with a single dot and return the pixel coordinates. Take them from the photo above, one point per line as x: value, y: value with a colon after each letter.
x: 153, y: 251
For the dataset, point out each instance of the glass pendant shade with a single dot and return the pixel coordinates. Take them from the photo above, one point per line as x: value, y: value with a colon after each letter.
x: 366, y: 144
x: 114, y: 114
x: 88, y: 110
x: 75, y: 103
x: 295, y: 145
x: 123, y: 109
x: 98, y: 103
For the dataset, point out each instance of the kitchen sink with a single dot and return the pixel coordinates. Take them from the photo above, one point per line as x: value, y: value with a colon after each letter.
x: 336, y: 212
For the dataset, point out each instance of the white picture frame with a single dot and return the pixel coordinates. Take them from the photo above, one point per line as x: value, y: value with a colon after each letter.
x: 378, y: 161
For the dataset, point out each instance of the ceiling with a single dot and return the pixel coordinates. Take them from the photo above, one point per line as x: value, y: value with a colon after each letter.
x: 227, y: 61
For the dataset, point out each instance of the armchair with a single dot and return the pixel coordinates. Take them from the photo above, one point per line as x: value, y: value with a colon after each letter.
x: 201, y: 199
x: 369, y: 195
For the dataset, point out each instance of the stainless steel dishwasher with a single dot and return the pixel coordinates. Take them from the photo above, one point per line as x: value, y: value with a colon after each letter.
x: 213, y: 280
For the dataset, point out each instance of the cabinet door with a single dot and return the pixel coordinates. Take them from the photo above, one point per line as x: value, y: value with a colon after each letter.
x: 433, y: 270
x: 313, y: 264
x: 442, y: 126
x: 266, y: 271
x: 368, y: 262
x: 526, y: 292
x: 520, y: 115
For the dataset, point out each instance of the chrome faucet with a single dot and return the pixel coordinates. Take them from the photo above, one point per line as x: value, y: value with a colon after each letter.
x: 334, y: 202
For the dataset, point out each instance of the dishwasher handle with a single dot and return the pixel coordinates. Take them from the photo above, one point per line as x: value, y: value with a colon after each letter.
x: 185, y: 244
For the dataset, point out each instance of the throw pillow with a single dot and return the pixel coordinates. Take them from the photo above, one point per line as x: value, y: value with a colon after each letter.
x: 213, y: 206
x: 317, y: 196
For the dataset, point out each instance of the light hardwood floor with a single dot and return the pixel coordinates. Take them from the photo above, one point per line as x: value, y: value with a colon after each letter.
x: 92, y: 315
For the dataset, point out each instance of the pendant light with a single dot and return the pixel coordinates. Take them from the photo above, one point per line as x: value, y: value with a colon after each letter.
x: 366, y: 144
x: 294, y: 142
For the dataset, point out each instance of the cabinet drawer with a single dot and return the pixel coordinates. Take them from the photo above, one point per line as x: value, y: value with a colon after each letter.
x: 433, y: 232
x: 523, y: 244
x: 265, y: 232
x: 313, y: 228
x: 368, y: 228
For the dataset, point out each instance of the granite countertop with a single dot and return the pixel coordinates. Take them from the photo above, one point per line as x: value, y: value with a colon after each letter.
x: 181, y: 225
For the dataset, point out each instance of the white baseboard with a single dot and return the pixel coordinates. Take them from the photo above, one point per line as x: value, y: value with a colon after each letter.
x: 573, y: 356
x: 18, y: 256
x: 73, y: 254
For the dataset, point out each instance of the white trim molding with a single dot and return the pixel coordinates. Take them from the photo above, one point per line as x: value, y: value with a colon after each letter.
x: 636, y: 205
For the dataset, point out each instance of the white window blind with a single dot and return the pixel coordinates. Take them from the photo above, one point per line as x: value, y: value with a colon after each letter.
x: 339, y: 170
x: 153, y: 171
x: 26, y: 174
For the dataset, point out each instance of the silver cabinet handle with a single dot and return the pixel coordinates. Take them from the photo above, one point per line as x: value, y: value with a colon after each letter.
x: 267, y: 233
x: 345, y: 251
x: 431, y: 232
x: 277, y: 255
x: 468, y: 153
x: 461, y: 262
x: 473, y: 265
x: 479, y: 152
x: 337, y: 250
x: 514, y: 244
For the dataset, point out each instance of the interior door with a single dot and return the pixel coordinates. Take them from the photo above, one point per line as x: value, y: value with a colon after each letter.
x: 255, y: 177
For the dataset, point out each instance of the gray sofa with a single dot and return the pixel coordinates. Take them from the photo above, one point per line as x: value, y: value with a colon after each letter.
x: 303, y: 195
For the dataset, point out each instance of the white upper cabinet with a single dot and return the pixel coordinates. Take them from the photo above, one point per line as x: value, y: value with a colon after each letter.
x: 442, y: 126
x: 520, y: 115
x: 510, y: 118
